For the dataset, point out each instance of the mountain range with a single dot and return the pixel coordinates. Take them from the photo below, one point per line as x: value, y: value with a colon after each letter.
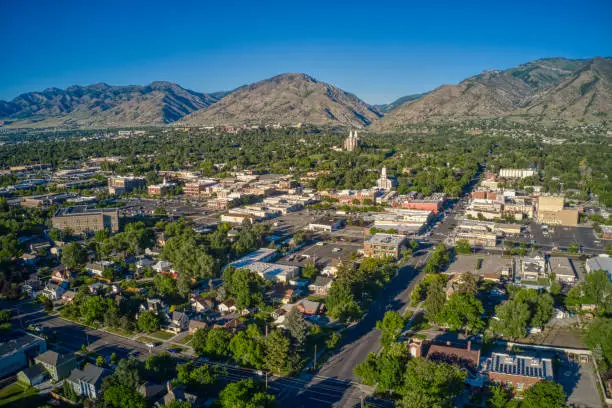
x: 545, y: 89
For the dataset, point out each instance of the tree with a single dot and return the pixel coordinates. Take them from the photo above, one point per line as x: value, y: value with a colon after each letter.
x: 198, y: 341
x: 217, y: 342
x: 462, y: 246
x: 463, y: 311
x: 74, y: 256
x: 148, y: 321
x: 391, y: 327
x: 391, y: 365
x: 178, y: 404
x: 598, y: 289
x: 247, y: 350
x: 113, y: 358
x: 598, y: 336
x: 498, y: 396
x: 295, y: 323
x: 309, y: 271
x: 333, y: 340
x: 100, y: 361
x: 367, y: 370
x: 161, y: 366
x: 512, y: 319
x: 277, y: 352
x: 435, y: 300
x: 340, y: 302
x: 468, y: 284
x: 244, y: 285
x: 120, y: 396
x: 542, y: 311
x: 164, y: 285
x: 544, y: 394
x: 196, y: 377
x: 245, y: 394
x: 429, y: 383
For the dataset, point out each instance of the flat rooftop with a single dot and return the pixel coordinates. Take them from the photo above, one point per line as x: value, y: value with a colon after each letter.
x: 13, y: 342
x: 385, y: 239
x: 83, y: 209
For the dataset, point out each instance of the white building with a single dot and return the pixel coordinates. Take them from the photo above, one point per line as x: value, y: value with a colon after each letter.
x: 384, y: 182
x: 516, y: 173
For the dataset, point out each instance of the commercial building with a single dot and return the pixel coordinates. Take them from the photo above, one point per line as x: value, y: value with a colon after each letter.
x: 121, y: 185
x: 517, y: 173
x: 532, y: 268
x: 161, y: 189
x: 434, y: 203
x: 44, y: 201
x: 81, y: 219
x: 517, y: 372
x: 199, y: 188
x: 563, y: 268
x: 477, y: 239
x: 327, y: 224
x: 603, y: 262
x: 551, y: 211
x: 18, y: 349
x: 384, y: 245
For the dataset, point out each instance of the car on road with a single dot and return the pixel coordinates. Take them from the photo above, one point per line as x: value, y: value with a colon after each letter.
x: 336, y: 249
x: 259, y: 373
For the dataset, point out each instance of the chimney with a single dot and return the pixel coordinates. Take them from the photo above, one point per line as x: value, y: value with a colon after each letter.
x: 469, y: 345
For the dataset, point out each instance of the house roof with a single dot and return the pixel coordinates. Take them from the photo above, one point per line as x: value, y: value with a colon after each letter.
x: 310, y: 305
x: 322, y: 281
x: 465, y: 357
x: 90, y: 374
x: 34, y: 371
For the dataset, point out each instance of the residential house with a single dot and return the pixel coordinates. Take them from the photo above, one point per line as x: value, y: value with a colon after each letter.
x: 229, y: 306
x: 321, y: 285
x: 517, y: 371
x: 57, y: 365
x: 308, y: 307
x: 53, y: 291
x: 156, y: 306
x: 87, y: 382
x: 178, y: 322
x: 466, y: 358
x: 32, y: 375
x: 61, y: 274
x: 97, y: 268
x: 196, y: 325
x: 162, y: 266
x: 68, y: 296
x: 178, y: 394
x: 202, y: 304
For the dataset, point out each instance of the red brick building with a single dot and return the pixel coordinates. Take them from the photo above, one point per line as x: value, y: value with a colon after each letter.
x: 516, y: 371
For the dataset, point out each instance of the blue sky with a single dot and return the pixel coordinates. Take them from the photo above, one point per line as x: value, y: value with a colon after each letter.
x: 379, y: 50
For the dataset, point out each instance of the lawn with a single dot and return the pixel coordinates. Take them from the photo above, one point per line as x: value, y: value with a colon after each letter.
x: 145, y: 339
x: 15, y: 392
x: 162, y: 335
x: 186, y: 339
x: 119, y: 331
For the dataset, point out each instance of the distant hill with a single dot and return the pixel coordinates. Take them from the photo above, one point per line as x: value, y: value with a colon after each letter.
x: 386, y: 108
x: 103, y: 105
x: 287, y: 99
x: 542, y: 89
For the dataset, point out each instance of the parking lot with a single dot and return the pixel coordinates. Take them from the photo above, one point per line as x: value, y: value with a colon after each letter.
x: 324, y: 254
x: 562, y: 237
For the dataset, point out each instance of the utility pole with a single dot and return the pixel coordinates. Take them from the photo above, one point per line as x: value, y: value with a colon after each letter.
x: 314, y: 366
x: 266, y: 380
x: 361, y: 398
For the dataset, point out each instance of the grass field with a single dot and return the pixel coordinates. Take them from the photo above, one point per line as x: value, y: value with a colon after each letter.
x: 162, y: 335
x: 15, y: 392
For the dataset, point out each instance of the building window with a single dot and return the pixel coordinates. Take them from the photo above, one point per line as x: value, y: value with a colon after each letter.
x: 520, y: 386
